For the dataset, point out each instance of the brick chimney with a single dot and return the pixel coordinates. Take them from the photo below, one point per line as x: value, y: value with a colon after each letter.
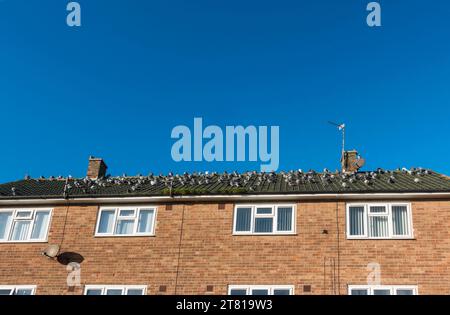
x: 96, y: 168
x: 351, y: 161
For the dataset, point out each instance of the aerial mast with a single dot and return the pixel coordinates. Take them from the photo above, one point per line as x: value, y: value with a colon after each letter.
x: 341, y: 127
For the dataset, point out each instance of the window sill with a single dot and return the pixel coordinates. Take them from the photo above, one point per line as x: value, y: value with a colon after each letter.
x: 114, y: 236
x: 380, y: 238
x: 21, y: 242
x: 265, y: 234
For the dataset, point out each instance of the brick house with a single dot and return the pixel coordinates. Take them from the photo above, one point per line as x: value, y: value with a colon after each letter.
x: 348, y: 232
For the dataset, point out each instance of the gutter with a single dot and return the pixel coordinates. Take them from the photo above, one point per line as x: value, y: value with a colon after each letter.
x: 216, y: 198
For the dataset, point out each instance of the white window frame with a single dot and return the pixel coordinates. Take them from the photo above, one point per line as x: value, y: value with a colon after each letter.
x: 127, y: 217
x: 388, y: 205
x: 106, y: 287
x: 248, y: 288
x: 392, y: 288
x: 32, y: 217
x: 14, y: 288
x: 28, y: 218
x: 273, y: 215
x: 117, y: 218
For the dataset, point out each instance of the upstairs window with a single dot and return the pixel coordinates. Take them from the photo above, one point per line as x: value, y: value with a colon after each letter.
x: 379, y: 221
x: 264, y: 219
x: 382, y: 290
x: 115, y: 290
x: 17, y: 290
x: 260, y: 290
x: 24, y: 225
x: 126, y: 221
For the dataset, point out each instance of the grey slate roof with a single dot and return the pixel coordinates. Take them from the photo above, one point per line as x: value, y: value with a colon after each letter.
x: 293, y: 182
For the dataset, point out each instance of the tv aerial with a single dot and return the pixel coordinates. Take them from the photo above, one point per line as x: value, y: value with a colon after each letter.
x: 341, y: 127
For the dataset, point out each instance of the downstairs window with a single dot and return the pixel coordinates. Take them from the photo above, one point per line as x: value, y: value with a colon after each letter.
x: 115, y: 290
x: 260, y: 290
x: 382, y: 290
x: 17, y: 290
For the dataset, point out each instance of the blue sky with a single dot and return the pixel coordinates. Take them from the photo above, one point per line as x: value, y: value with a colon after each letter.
x: 116, y: 86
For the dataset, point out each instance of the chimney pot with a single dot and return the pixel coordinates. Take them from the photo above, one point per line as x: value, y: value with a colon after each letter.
x: 96, y: 168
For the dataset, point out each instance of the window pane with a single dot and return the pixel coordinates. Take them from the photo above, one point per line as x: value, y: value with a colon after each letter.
x: 238, y: 292
x: 106, y: 221
x: 126, y: 213
x: 20, y: 230
x: 145, y: 221
x: 284, y: 219
x: 263, y: 225
x: 381, y: 292
x: 23, y: 214
x: 281, y: 292
x: 377, y: 209
x: 264, y: 210
x: 404, y: 292
x: 5, y: 291
x: 135, y: 292
x: 356, y: 220
x: 359, y: 292
x: 40, y: 225
x: 93, y: 292
x: 243, y: 219
x: 125, y: 227
x: 378, y: 226
x: 260, y: 292
x: 114, y: 292
x: 5, y: 221
x: 400, y: 221
x: 23, y: 292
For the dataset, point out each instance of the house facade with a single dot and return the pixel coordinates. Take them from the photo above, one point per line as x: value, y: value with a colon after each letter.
x: 347, y: 232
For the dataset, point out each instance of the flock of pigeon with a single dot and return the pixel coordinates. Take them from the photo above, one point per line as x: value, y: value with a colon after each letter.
x: 249, y: 180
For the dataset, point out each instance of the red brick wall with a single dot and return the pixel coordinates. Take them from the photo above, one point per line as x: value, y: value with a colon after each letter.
x: 210, y: 255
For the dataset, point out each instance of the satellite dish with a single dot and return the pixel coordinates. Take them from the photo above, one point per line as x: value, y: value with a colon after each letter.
x: 359, y: 162
x: 51, y: 251
x: 69, y: 257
